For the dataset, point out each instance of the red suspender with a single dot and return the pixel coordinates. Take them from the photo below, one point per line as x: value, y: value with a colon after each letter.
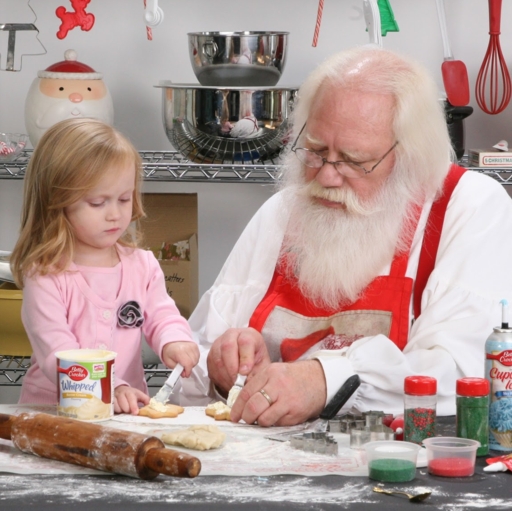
x: 432, y: 235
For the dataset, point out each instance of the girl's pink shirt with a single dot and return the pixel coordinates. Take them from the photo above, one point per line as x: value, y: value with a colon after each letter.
x: 61, y: 312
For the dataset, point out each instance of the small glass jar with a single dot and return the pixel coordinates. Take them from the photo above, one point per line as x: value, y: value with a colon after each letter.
x: 420, y: 401
x: 472, y: 419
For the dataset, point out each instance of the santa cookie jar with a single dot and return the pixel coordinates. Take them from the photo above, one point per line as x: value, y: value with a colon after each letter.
x: 65, y: 90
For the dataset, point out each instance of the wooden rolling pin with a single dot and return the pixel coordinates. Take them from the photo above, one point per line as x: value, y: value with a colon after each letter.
x: 94, y: 446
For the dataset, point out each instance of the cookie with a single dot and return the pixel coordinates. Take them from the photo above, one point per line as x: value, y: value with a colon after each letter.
x: 219, y: 411
x: 171, y: 411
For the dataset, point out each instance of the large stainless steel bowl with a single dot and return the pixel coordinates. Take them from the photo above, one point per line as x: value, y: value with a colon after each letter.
x: 238, y: 59
x: 226, y: 125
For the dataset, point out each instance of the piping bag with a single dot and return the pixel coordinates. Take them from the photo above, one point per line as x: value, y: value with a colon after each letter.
x: 499, y: 463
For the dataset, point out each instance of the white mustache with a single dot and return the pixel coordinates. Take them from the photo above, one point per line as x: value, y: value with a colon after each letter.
x: 346, y: 196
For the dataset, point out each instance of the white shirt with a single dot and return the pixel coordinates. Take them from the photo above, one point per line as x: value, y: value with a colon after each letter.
x: 460, y: 303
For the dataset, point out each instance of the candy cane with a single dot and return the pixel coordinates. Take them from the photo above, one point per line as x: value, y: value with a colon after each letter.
x: 318, y: 21
x: 5, y: 149
x: 149, y: 32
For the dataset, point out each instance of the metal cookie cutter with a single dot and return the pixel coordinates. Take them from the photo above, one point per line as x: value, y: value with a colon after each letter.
x: 372, y: 431
x: 12, y: 28
x: 322, y: 443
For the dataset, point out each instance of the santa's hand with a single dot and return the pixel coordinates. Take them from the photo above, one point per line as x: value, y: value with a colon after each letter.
x: 237, y: 351
x: 283, y: 394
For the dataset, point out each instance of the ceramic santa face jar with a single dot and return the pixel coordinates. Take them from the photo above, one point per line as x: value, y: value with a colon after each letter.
x: 65, y: 90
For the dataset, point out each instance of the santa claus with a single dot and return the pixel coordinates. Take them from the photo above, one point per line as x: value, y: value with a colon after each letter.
x: 65, y: 90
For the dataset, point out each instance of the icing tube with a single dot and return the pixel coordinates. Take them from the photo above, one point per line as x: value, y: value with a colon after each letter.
x: 499, y: 463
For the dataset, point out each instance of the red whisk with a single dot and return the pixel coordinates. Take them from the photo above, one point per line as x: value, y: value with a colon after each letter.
x: 494, y: 69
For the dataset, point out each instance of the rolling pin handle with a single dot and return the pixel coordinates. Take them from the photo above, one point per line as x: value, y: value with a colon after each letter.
x: 6, y: 422
x: 172, y: 463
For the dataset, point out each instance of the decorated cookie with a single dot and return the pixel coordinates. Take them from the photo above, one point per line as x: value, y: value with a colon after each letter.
x: 171, y: 411
x: 219, y: 411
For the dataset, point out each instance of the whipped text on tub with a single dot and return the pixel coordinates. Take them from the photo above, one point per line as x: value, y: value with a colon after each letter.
x: 67, y: 385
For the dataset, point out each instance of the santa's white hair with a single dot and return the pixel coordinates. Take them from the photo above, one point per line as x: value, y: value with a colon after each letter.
x: 337, y: 253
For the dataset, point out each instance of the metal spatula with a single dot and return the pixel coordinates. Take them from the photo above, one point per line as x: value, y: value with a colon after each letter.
x: 162, y: 396
x: 235, y: 390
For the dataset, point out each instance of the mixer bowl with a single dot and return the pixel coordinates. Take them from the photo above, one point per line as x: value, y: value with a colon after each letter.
x: 226, y: 125
x: 238, y: 59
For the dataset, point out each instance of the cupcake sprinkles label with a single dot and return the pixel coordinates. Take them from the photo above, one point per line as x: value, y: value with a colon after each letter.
x: 499, y: 373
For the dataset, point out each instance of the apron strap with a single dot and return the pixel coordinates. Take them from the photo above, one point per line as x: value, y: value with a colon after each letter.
x: 432, y: 235
x: 400, y: 260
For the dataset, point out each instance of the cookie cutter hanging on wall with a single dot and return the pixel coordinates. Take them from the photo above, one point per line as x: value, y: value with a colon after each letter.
x: 12, y: 28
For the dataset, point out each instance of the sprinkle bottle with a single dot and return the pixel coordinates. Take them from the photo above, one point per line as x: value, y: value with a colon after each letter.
x: 420, y: 401
x: 472, y: 420
x: 498, y: 370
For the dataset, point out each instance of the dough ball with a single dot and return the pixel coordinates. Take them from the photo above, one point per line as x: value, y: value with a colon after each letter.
x: 171, y: 411
x: 219, y: 411
x: 201, y: 437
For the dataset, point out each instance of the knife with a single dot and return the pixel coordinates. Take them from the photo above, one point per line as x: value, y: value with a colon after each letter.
x: 331, y: 409
x: 162, y: 396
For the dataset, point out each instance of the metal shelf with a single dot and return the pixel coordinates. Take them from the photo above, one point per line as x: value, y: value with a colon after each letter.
x: 13, y: 369
x: 172, y: 166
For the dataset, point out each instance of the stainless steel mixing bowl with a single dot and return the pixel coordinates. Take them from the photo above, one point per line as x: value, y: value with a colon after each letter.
x: 238, y: 59
x: 226, y: 125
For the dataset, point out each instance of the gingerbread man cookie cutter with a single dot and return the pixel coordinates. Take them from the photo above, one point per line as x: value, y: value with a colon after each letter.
x: 78, y: 18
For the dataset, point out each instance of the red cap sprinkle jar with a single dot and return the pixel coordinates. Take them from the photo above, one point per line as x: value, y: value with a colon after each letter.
x: 420, y: 400
x: 472, y: 419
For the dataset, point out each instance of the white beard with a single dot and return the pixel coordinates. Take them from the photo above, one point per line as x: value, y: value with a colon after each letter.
x: 338, y: 252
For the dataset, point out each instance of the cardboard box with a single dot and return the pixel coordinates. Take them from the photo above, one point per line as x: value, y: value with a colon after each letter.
x: 172, y: 218
x: 13, y: 339
x: 488, y: 158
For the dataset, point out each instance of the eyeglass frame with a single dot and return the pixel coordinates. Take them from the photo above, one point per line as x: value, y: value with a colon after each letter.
x: 334, y: 163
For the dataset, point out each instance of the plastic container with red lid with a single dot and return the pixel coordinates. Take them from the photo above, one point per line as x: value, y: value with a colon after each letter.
x: 420, y: 401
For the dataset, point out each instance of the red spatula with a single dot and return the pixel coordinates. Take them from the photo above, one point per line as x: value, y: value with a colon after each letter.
x: 455, y: 73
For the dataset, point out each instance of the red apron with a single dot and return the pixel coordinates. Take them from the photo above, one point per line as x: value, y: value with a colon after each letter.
x: 291, y: 325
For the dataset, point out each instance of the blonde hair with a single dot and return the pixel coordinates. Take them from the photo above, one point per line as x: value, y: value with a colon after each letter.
x: 69, y: 160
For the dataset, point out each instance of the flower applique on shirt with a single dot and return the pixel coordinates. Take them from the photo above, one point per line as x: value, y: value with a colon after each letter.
x: 130, y: 315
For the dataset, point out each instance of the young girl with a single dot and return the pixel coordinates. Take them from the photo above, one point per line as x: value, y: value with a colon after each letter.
x: 86, y: 285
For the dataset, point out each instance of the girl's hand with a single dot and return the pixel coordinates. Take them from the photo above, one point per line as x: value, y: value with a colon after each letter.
x: 185, y: 353
x: 126, y: 399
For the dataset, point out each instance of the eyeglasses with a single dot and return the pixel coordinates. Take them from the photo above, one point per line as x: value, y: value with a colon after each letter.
x: 347, y: 168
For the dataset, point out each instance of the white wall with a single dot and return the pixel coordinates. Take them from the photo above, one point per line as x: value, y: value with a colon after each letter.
x: 117, y: 46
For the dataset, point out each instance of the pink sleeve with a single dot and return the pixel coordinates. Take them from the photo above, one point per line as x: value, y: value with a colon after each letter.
x: 163, y: 323
x: 44, y: 316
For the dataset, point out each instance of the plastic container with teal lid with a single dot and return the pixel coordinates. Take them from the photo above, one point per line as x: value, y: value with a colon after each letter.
x: 498, y: 370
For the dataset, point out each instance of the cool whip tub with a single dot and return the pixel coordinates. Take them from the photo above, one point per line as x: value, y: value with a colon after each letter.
x: 85, y: 384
